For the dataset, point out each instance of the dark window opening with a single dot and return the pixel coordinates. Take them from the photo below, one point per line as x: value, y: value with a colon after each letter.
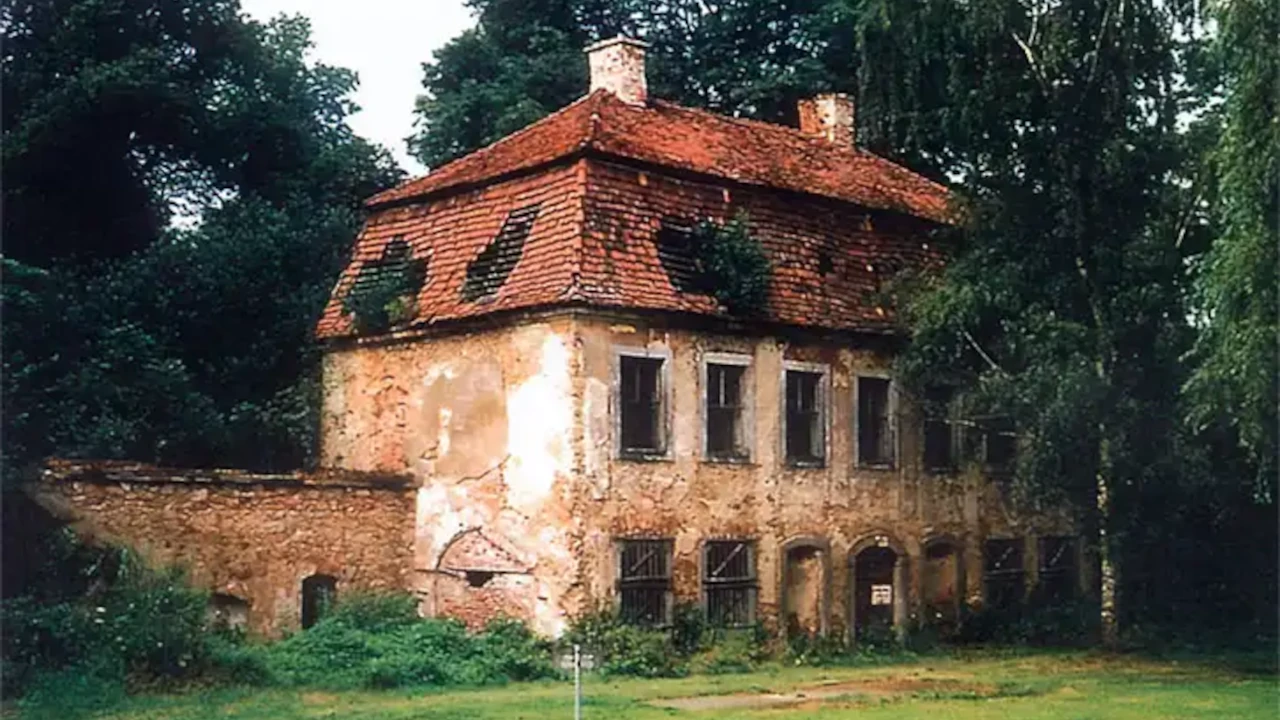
x: 1001, y: 446
x: 396, y: 274
x: 641, y: 404
x: 939, y: 446
x: 490, y: 269
x: 318, y: 595
x: 478, y: 578
x: 1004, y: 576
x: 826, y: 264
x: 724, y: 412
x: 1058, y: 575
x: 675, y: 253
x: 729, y: 582
x: 644, y: 582
x: 875, y: 428
x: 804, y: 417
x: 228, y: 612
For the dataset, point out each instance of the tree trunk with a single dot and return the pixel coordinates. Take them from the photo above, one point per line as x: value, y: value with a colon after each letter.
x: 1106, y: 564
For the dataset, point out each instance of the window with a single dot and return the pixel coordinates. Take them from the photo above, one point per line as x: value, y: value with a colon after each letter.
x: 318, y: 595
x: 725, y: 424
x: 804, y: 421
x: 1004, y: 576
x: 939, y: 445
x: 875, y: 423
x: 641, y: 405
x: 1001, y: 445
x: 729, y: 582
x: 1057, y: 569
x: 644, y: 581
x: 489, y: 270
x: 675, y: 253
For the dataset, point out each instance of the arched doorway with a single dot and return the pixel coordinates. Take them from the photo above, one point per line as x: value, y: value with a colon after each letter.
x: 318, y: 595
x: 806, y: 581
x: 942, y: 583
x: 878, y: 582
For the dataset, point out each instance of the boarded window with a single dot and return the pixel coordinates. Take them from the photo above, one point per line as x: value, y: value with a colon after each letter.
x: 675, y: 253
x: 644, y: 581
x: 725, y: 436
x: 384, y: 289
x: 641, y: 404
x: 319, y: 592
x: 729, y: 583
x: 804, y: 438
x: 490, y: 269
x: 875, y: 423
x: 939, y: 445
x: 1004, y: 576
x: 1058, y: 576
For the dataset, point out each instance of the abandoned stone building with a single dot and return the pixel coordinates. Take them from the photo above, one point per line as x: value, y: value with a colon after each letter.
x: 552, y: 416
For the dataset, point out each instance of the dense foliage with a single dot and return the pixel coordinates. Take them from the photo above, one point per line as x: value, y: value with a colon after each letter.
x: 732, y: 266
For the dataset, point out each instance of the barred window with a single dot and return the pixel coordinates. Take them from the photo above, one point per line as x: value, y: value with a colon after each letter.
x: 804, y: 431
x: 725, y: 436
x: 875, y: 422
x: 1058, y: 575
x: 641, y: 404
x: 729, y: 582
x: 939, y: 434
x: 644, y: 581
x: 1004, y: 577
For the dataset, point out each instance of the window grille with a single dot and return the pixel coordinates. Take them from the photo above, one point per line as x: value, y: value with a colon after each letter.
x: 875, y: 423
x: 641, y: 404
x: 675, y: 254
x: 1058, y: 575
x: 1005, y: 575
x: 729, y: 582
x: 939, y: 434
x: 804, y: 430
x: 644, y: 581
x: 724, y: 412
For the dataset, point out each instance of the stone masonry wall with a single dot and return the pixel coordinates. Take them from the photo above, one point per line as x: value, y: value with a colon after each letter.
x: 253, y: 537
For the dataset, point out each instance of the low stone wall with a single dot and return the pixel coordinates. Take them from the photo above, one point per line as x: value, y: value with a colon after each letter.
x: 248, y: 536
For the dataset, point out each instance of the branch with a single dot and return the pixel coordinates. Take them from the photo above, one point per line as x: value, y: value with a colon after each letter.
x: 974, y: 343
x: 1031, y: 60
x: 1097, y: 44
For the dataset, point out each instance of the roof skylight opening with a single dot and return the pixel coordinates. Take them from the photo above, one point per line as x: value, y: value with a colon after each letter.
x: 489, y: 270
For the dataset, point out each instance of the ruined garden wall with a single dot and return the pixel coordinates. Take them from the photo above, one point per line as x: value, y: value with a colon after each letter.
x: 251, y: 537
x: 482, y: 420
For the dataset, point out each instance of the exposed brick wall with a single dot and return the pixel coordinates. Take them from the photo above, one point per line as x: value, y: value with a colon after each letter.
x: 252, y: 537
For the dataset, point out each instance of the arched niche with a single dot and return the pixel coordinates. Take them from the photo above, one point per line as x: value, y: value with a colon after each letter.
x: 804, y: 593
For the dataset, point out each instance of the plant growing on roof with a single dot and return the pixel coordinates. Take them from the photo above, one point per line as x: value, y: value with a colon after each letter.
x: 385, y: 291
x: 731, y: 265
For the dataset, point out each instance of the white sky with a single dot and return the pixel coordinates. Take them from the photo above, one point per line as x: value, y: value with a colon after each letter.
x: 385, y: 42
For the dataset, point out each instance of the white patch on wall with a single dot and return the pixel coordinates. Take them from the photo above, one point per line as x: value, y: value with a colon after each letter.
x: 539, y: 420
x: 596, y: 435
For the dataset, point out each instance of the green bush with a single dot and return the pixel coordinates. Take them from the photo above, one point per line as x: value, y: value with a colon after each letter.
x: 624, y: 649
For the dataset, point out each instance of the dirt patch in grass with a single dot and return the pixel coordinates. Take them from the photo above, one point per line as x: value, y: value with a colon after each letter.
x: 848, y: 692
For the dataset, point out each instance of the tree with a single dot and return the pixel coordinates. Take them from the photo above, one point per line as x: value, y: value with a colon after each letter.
x: 192, y: 342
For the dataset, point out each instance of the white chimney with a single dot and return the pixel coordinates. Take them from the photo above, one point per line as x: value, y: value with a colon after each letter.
x: 829, y: 116
x: 617, y: 65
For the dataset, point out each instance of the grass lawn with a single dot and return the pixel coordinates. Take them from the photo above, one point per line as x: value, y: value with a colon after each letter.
x: 1052, y: 685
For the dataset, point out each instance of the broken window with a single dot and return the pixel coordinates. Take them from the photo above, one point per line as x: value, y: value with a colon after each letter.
x: 1004, y: 576
x: 729, y: 582
x: 1057, y: 569
x: 318, y: 595
x: 939, y: 434
x: 644, y: 581
x: 490, y: 269
x: 383, y: 292
x: 875, y: 423
x: 228, y: 612
x: 804, y: 421
x: 675, y: 253
x: 641, y: 404
x: 725, y: 427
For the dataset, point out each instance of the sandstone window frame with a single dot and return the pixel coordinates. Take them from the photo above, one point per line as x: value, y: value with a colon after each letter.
x: 644, y: 585
x: 744, y: 424
x: 821, y: 435
x: 890, y: 424
x: 663, y: 399
x: 739, y: 590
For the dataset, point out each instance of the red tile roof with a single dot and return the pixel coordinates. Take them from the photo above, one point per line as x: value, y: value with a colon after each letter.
x: 592, y: 241
x: 665, y: 134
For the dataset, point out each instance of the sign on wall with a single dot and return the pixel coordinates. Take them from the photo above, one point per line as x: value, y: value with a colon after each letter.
x: 881, y: 594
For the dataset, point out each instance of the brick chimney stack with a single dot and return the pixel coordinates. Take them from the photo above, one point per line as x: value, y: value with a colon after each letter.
x: 829, y: 116
x: 617, y: 65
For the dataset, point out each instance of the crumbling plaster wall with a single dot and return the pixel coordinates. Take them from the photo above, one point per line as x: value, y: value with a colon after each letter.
x: 690, y: 500
x: 483, y: 420
x: 256, y: 541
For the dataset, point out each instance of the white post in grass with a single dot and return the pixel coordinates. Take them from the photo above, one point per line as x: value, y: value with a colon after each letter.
x: 577, y: 682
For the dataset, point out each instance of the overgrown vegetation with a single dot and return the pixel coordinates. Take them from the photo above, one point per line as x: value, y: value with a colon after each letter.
x: 732, y: 266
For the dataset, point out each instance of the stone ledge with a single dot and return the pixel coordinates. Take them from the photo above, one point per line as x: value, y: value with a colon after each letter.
x: 126, y: 471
